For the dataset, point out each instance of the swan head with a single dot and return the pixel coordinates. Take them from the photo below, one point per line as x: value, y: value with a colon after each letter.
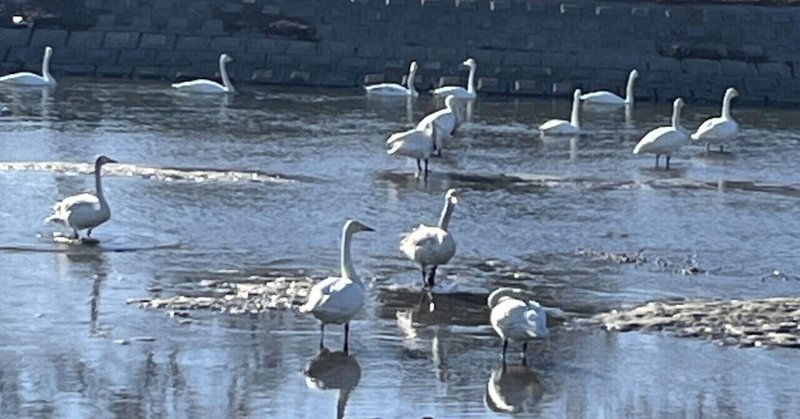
x: 450, y: 101
x: 469, y: 63
x: 731, y: 92
x: 48, y: 51
x: 634, y: 74
x: 103, y: 160
x: 225, y: 58
x: 504, y: 293
x: 678, y: 104
x: 355, y: 226
x: 413, y: 67
x: 577, y: 94
x: 451, y: 196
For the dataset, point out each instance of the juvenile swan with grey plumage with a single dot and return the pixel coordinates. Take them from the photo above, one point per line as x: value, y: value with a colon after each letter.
x: 432, y: 246
x: 338, y: 299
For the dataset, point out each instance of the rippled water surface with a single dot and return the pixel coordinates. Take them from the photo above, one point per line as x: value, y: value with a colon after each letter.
x: 258, y: 185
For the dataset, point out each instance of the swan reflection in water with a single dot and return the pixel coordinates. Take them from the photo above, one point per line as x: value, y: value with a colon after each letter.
x: 334, y: 371
x: 512, y: 389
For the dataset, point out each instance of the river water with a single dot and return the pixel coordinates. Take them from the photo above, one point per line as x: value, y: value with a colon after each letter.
x: 258, y: 185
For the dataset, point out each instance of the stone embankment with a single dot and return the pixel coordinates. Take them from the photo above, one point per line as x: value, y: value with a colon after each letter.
x: 522, y: 47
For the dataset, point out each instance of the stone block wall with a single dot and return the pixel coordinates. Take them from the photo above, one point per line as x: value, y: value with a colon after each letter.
x: 526, y: 47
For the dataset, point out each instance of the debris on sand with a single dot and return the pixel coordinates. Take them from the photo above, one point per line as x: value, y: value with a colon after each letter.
x: 766, y: 322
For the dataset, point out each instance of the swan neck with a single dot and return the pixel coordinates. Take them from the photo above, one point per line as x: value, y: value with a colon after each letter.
x: 629, y: 90
x: 726, y: 107
x: 226, y: 81
x: 46, y: 69
x: 676, y: 117
x: 98, y: 185
x: 471, y: 80
x: 574, y: 120
x: 348, y: 271
x: 447, y: 211
x: 410, y: 83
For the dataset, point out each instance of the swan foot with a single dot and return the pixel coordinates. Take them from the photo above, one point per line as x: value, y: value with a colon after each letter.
x: 75, y: 234
x: 524, y: 349
x: 430, y: 282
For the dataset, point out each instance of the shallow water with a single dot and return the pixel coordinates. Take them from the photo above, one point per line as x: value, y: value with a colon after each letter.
x: 258, y: 185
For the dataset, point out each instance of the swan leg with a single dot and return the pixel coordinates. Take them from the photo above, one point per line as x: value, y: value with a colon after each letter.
x: 505, y: 346
x: 424, y: 277
x: 708, y: 147
x: 668, y: 162
x: 89, y: 233
x: 431, y: 277
x: 426, y: 168
x: 524, y: 349
x: 657, y: 157
x: 419, y: 168
x: 75, y: 234
x: 346, y: 336
x: 322, y: 336
x: 721, y: 148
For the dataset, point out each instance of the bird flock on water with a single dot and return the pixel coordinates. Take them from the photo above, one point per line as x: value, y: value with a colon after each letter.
x: 514, y: 315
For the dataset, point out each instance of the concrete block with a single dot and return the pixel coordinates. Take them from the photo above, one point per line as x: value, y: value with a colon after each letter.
x: 536, y: 43
x: 338, y: 49
x: 537, y: 72
x: 157, y: 41
x: 213, y: 27
x: 174, y: 58
x: 136, y: 56
x: 85, y: 39
x: 700, y: 66
x: 119, y: 40
x: 228, y: 44
x: 177, y: 25
x: 264, y: 75
x: 753, y: 51
x: 14, y: 37
x: 399, y: 66
x: 569, y: 9
x: 100, y: 56
x: 55, y: 38
x: 263, y: 46
x: 30, y: 56
x: 669, y: 65
x: 451, y: 81
x: 641, y: 12
x: 774, y: 70
x: 431, y: 66
x: 141, y: 23
x: 299, y: 77
x: 558, y: 59
x: 355, y: 64
x: 563, y: 89
x: 373, y: 79
x: 112, y: 70
x: 335, y: 80
x: 735, y: 68
x: 75, y: 69
x: 271, y: 9
x: 491, y: 85
x: 151, y: 72
x: 517, y: 58
x: 106, y: 21
x: 528, y: 87
x: 300, y: 47
x: 193, y: 43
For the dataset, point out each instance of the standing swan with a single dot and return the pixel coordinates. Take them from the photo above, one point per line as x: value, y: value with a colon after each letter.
x: 665, y: 140
x: 562, y: 127
x: 338, y: 299
x: 84, y: 211
x: 394, y: 89
x: 458, y: 91
x: 415, y: 143
x: 717, y: 130
x: 208, y: 86
x: 516, y: 317
x: 29, y: 79
x: 432, y: 246
x: 446, y: 122
x: 605, y: 97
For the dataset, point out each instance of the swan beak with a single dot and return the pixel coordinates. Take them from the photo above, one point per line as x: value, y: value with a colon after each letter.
x: 111, y: 161
x: 367, y: 228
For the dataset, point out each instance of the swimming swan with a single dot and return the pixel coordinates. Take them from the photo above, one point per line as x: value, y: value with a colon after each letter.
x: 605, y: 97
x: 562, y: 127
x: 446, y: 121
x: 432, y: 246
x: 29, y: 79
x: 208, y: 86
x: 717, y: 130
x: 338, y: 299
x: 415, y: 143
x: 665, y: 140
x: 516, y: 317
x: 84, y: 211
x: 394, y: 89
x: 458, y: 91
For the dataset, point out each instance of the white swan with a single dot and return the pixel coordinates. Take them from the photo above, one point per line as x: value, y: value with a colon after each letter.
x: 665, y: 140
x: 415, y: 143
x: 716, y: 130
x: 446, y: 121
x: 562, y: 127
x: 432, y: 246
x: 84, y: 211
x: 338, y: 299
x: 458, y: 91
x: 394, y: 89
x: 516, y: 317
x: 605, y: 97
x: 29, y: 79
x: 208, y: 86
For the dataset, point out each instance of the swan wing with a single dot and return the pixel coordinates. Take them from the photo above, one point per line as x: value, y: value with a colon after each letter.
x: 200, y: 86
x: 603, y: 97
x: 519, y: 320
x: 428, y: 245
x: 457, y: 91
x: 387, y: 89
x: 412, y: 143
x: 662, y: 140
x: 557, y: 126
x: 716, y: 129
x: 24, y: 79
x: 335, y: 299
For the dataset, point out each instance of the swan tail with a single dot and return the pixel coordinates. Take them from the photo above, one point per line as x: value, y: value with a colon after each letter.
x: 55, y: 218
